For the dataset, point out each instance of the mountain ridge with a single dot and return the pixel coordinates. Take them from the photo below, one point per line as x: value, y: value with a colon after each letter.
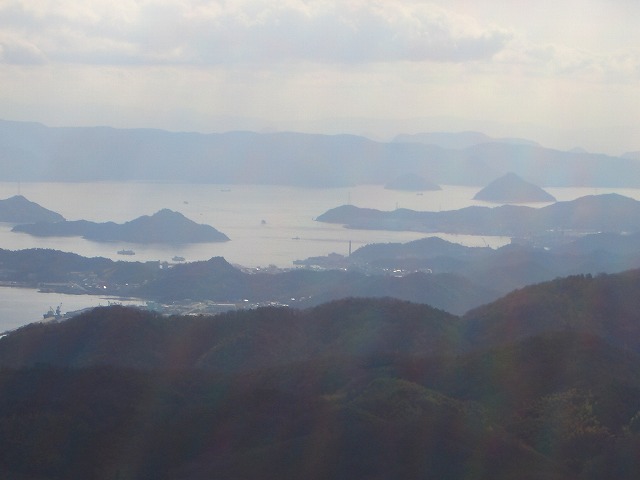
x: 458, y: 140
x: 34, y: 152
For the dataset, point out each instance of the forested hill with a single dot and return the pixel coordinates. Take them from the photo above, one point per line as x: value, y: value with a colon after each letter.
x: 606, y: 306
x: 543, y: 383
x: 603, y: 306
x: 234, y: 341
x: 34, y: 152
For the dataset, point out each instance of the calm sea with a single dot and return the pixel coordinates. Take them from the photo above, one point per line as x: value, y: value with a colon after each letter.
x: 267, y: 225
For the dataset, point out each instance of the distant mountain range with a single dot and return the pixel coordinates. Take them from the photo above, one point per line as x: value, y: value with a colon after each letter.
x: 459, y: 140
x: 165, y: 226
x: 33, y: 152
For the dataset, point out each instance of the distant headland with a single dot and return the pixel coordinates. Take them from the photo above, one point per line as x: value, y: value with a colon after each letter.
x: 18, y: 209
x: 165, y: 226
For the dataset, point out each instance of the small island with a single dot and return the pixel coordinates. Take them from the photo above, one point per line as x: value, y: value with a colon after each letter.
x: 165, y: 226
x: 18, y: 209
x: 510, y: 188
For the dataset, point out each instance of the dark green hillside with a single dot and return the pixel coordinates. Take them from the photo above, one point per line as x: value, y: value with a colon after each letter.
x: 506, y: 378
x: 535, y: 410
x: 572, y: 397
x: 605, y: 305
x: 105, y: 423
x: 542, y: 384
x: 235, y: 341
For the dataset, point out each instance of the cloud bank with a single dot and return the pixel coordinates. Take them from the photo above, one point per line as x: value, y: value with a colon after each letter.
x: 240, y: 31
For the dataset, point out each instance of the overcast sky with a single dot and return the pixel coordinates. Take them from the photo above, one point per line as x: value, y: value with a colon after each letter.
x: 563, y: 72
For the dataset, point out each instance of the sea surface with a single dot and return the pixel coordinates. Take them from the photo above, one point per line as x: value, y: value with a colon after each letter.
x: 267, y: 225
x: 20, y: 306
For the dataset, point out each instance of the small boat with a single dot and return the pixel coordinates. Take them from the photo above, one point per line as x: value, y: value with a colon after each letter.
x: 126, y: 252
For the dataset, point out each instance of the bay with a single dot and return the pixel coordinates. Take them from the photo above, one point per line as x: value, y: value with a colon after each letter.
x: 268, y: 225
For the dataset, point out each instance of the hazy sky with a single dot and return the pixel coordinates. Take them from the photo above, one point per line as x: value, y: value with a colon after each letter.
x: 565, y: 73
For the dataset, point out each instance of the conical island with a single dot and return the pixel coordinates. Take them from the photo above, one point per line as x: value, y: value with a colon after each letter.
x: 510, y: 188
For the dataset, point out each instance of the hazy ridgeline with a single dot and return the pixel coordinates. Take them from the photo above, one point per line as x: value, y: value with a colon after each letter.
x: 33, y: 152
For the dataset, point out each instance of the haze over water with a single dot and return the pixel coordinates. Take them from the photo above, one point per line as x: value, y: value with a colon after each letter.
x: 267, y: 225
x: 289, y: 232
